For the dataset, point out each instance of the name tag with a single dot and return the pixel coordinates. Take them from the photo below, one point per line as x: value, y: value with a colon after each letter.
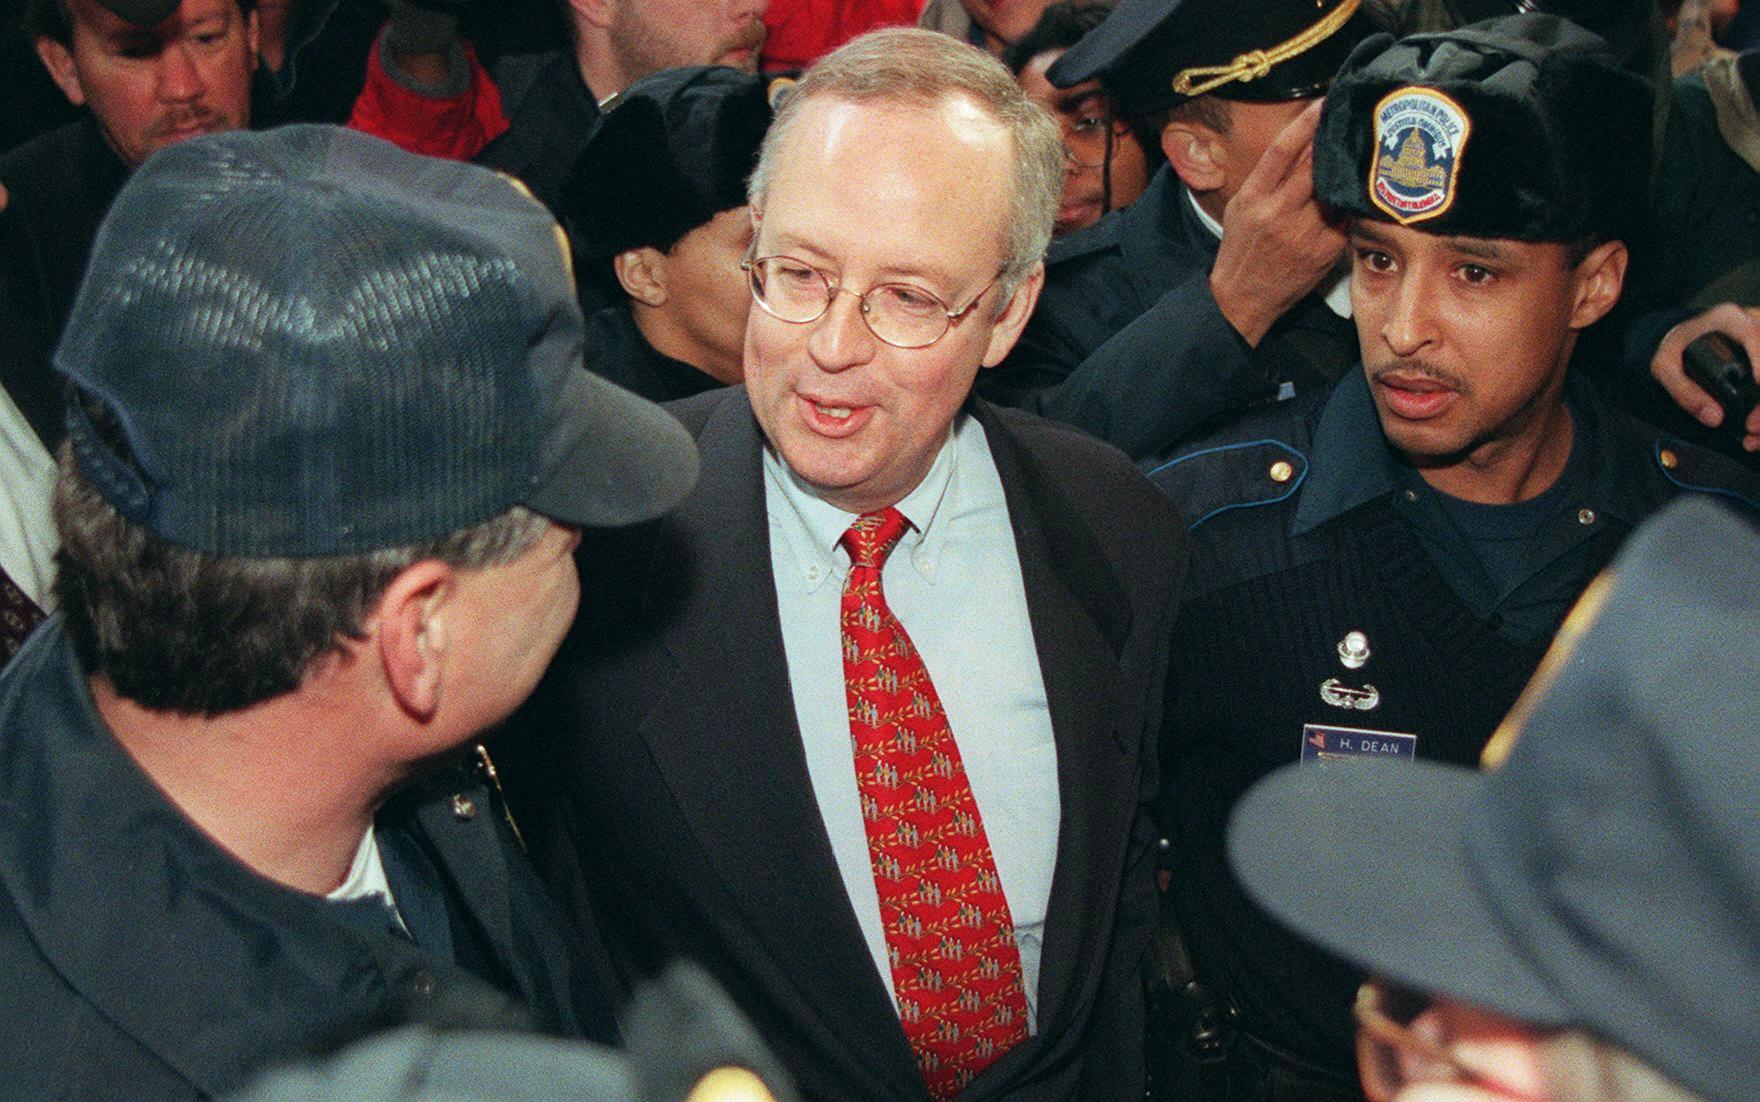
x: 1323, y: 744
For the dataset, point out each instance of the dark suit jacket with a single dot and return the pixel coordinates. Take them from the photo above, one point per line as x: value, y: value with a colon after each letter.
x: 664, y: 751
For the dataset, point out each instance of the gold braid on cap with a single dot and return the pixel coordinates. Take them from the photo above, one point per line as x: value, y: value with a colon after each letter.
x: 1256, y: 63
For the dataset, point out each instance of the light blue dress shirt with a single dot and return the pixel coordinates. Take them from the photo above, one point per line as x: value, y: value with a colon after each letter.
x: 954, y: 582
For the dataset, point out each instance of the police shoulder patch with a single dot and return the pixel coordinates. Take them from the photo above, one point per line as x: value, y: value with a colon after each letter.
x: 1419, y: 136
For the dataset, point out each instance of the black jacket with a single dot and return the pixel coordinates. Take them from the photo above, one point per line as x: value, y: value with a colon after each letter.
x: 616, y: 350
x: 61, y: 185
x: 139, y: 960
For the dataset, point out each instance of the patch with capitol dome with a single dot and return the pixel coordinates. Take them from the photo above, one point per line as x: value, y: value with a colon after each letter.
x: 1419, y: 135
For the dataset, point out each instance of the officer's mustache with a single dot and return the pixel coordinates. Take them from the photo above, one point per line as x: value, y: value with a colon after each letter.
x: 1421, y: 368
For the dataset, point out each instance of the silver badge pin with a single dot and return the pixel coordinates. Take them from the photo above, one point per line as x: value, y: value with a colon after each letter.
x: 1339, y: 695
x: 1353, y: 650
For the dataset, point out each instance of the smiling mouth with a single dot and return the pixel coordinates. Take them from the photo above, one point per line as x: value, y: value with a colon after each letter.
x: 831, y: 418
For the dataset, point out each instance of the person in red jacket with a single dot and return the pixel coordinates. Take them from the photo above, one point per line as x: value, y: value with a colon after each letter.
x: 802, y: 31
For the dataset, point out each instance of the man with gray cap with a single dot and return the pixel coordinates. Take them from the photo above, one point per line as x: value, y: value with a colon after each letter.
x: 317, y: 522
x: 1577, y: 923
x: 1379, y: 566
x: 1221, y: 283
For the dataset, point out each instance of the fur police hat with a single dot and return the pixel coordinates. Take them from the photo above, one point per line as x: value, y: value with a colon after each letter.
x: 674, y: 151
x: 1523, y: 127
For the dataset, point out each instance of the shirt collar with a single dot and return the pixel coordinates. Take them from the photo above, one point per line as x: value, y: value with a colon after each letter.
x: 815, y: 527
x: 1204, y: 218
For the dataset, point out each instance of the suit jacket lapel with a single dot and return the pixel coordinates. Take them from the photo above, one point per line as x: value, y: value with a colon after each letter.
x: 1081, y: 618
x: 750, y: 802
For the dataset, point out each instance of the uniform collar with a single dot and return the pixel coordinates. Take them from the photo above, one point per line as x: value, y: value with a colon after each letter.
x: 1351, y: 462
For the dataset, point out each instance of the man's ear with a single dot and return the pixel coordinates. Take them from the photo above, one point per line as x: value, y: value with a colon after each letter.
x: 1599, y: 279
x: 1014, y: 317
x: 411, y: 634
x: 1195, y: 152
x: 253, y: 38
x: 642, y: 272
x: 598, y: 13
x: 59, y: 61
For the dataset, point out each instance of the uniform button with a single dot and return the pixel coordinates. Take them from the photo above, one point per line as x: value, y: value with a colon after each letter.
x: 1585, y: 516
x: 1281, y: 471
x: 812, y: 573
x: 1411, y: 495
x: 422, y: 983
x: 1164, y: 844
x: 1668, y: 459
x: 730, y: 1085
x: 463, y: 807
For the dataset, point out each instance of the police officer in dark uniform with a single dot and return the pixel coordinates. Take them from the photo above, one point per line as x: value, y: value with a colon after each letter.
x: 1222, y: 281
x: 661, y: 225
x: 1378, y: 566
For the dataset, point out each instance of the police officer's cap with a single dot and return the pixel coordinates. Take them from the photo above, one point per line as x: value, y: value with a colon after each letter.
x: 146, y: 13
x: 1521, y: 127
x: 1156, y: 54
x: 673, y: 151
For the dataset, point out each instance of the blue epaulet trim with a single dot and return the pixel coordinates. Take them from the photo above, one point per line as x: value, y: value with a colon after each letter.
x: 1238, y: 476
x: 1680, y: 464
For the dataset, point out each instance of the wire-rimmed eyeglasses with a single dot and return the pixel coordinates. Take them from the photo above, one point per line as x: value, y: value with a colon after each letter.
x: 1390, y: 1054
x: 901, y: 314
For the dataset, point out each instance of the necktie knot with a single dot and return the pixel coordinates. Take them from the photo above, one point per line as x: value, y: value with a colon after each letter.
x: 873, y: 536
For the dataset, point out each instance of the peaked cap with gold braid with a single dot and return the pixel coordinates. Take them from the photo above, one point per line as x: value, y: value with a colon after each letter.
x: 1155, y: 54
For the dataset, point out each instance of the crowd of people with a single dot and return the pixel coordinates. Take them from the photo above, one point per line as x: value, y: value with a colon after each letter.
x: 869, y: 549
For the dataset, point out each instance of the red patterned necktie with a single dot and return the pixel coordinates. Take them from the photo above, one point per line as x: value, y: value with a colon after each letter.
x: 19, y: 615
x: 949, y: 938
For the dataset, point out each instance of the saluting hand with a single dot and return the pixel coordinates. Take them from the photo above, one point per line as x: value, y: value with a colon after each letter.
x: 1277, y: 242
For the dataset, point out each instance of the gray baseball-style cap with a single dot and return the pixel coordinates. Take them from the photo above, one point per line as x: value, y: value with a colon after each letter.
x: 306, y: 342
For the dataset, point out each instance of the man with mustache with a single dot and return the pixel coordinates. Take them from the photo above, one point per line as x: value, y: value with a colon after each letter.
x: 317, y: 527
x: 1378, y: 566
x: 150, y: 73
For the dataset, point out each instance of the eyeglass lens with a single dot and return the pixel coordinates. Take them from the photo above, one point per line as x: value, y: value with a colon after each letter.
x: 898, y: 313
